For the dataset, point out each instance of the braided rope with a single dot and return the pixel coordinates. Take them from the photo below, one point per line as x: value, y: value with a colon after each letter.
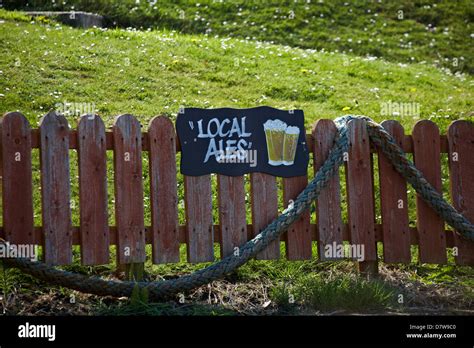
x: 385, y: 142
x: 167, y: 288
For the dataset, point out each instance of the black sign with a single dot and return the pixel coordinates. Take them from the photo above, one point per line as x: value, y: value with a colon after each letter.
x: 238, y: 141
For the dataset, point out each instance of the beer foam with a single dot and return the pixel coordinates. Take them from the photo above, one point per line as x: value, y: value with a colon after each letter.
x: 292, y: 130
x: 274, y: 125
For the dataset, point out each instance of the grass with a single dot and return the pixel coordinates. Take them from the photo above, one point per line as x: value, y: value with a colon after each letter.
x: 147, y: 73
x: 341, y: 292
x: 402, y: 31
x: 268, y: 288
x: 46, y: 65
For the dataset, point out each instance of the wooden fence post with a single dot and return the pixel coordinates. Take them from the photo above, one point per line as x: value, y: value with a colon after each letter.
x: 55, y: 189
x: 128, y: 190
x: 427, y: 155
x: 199, y: 227
x: 461, y: 166
x: 328, y: 205
x: 163, y: 191
x: 17, y: 190
x: 360, y: 196
x: 394, y: 204
x: 298, y: 237
x: 94, y: 228
x: 232, y: 213
x: 264, y: 198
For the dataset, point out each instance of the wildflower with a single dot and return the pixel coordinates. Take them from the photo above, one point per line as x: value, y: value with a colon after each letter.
x: 346, y: 108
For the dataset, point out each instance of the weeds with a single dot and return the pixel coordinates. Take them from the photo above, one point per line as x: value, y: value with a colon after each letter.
x: 341, y: 292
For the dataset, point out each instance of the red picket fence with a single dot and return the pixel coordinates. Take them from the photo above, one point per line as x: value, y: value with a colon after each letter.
x: 55, y: 140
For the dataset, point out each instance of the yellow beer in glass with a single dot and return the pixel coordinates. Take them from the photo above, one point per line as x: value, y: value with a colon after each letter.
x: 275, y: 137
x: 290, y: 143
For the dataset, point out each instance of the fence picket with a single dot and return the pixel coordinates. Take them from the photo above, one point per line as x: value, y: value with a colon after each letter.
x: 232, y: 213
x: 328, y: 205
x: 394, y: 204
x: 198, y: 205
x: 128, y: 190
x: 298, y: 237
x: 264, y: 198
x: 461, y: 165
x: 94, y: 228
x: 163, y: 190
x: 17, y: 178
x: 360, y: 192
x: 55, y: 189
x: 426, y: 151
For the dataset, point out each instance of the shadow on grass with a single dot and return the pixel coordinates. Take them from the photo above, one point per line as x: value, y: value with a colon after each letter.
x: 162, y: 309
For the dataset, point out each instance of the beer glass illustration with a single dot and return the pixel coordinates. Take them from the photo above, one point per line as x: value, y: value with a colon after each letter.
x: 290, y: 143
x: 275, y: 135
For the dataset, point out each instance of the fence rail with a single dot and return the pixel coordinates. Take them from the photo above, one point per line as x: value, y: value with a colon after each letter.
x: 55, y: 141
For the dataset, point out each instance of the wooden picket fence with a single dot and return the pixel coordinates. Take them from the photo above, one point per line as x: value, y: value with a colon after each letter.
x: 91, y: 140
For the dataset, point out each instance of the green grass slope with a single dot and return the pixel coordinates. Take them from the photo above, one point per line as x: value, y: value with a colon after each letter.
x: 44, y: 65
x: 438, y: 32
